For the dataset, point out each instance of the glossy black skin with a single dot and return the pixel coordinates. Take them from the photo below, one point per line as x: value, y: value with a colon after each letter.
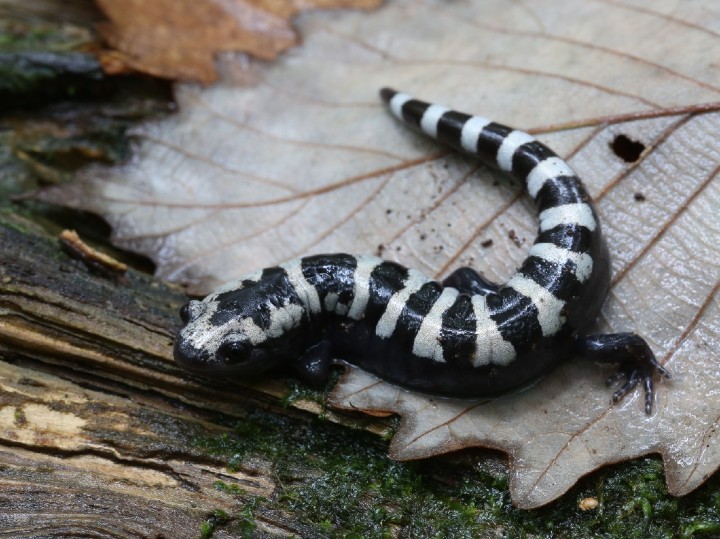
x: 392, y: 359
x: 312, y: 347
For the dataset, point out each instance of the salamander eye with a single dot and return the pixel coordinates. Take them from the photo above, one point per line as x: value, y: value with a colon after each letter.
x: 189, y: 311
x: 185, y: 313
x: 233, y: 352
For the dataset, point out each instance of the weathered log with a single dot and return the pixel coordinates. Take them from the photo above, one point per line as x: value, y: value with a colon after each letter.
x: 98, y: 428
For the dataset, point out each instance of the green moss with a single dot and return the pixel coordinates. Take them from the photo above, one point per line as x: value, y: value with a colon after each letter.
x: 701, y: 529
x: 20, y: 419
x: 217, y: 518
x: 342, y: 484
x: 299, y: 391
x: 243, y: 524
x: 17, y: 34
x: 235, y: 490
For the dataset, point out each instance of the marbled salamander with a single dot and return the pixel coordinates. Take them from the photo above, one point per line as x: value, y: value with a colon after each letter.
x: 463, y: 337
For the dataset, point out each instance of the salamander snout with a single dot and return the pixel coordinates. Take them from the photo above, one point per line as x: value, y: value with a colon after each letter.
x: 198, y: 343
x: 189, y: 357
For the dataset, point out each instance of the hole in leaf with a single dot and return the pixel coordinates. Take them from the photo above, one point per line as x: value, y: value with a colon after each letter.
x: 627, y: 149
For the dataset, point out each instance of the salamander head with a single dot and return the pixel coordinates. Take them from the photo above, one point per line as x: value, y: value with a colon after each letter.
x: 243, y: 331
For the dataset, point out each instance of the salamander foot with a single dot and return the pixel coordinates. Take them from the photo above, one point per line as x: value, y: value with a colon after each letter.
x: 637, y: 362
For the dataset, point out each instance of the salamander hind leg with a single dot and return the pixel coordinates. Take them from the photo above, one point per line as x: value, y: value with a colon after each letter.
x: 314, y: 366
x: 637, y: 361
x: 469, y: 281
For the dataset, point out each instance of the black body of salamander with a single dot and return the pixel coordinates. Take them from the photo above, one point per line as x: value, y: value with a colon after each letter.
x: 463, y: 337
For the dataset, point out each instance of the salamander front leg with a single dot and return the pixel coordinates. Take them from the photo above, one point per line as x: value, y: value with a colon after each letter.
x: 637, y: 361
x: 313, y: 367
x: 469, y: 281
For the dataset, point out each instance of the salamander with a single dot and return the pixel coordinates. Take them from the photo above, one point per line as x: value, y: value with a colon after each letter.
x: 462, y: 337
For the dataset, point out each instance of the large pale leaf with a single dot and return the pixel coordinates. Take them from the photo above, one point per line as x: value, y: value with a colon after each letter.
x: 299, y: 157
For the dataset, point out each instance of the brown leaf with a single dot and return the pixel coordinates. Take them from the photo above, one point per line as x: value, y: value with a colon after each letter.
x: 307, y: 161
x: 178, y: 39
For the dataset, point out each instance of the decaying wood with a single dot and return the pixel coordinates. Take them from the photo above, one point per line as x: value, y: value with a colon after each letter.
x: 97, y: 425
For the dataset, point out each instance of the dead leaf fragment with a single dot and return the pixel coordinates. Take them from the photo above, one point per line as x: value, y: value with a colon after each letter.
x: 588, y: 504
x: 178, y: 39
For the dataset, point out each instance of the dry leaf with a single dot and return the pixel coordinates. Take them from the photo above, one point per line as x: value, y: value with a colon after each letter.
x: 307, y: 161
x: 178, y: 39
